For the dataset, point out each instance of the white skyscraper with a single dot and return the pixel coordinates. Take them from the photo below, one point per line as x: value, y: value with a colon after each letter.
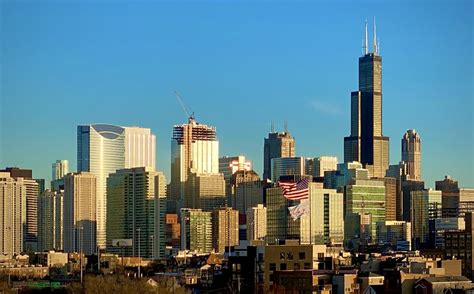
x: 60, y: 169
x: 102, y: 149
x: 256, y: 222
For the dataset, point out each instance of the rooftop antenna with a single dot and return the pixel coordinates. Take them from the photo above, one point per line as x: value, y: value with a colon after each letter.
x: 272, y: 127
x: 286, y: 126
x: 185, y: 110
x: 366, y: 43
x: 376, y: 51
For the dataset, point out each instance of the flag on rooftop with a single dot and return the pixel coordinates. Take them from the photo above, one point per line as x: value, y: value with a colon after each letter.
x: 295, y: 191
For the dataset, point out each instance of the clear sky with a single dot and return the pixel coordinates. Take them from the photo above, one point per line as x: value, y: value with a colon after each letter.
x: 238, y: 66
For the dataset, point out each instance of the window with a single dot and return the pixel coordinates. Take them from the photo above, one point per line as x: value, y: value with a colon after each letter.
x: 283, y: 267
x: 307, y: 265
x: 282, y: 255
x: 273, y: 267
x: 296, y: 266
x: 320, y: 256
x: 289, y: 255
x: 302, y: 255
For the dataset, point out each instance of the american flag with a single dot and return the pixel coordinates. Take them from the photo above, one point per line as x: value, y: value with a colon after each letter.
x: 295, y: 191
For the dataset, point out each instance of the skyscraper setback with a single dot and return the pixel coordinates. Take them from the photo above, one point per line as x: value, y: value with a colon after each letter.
x: 366, y: 144
x: 102, y: 149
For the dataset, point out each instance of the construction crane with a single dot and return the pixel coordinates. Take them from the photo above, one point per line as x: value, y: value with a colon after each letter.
x: 185, y: 109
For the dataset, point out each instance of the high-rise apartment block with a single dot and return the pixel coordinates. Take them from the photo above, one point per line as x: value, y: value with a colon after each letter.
x: 228, y: 165
x: 276, y: 145
x: 102, y: 149
x: 59, y: 169
x: 225, y: 222
x: 205, y: 191
x: 30, y: 231
x: 323, y: 164
x: 256, y: 222
x: 136, y: 200
x: 194, y: 149
x: 246, y: 190
x: 196, y: 230
x: 411, y: 154
x: 50, y: 220
x: 80, y: 213
x: 367, y: 144
x: 12, y: 213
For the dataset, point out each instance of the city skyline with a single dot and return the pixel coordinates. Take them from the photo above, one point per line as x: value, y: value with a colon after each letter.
x: 318, y: 130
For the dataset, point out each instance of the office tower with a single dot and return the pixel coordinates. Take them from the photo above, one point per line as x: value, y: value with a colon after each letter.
x: 196, y: 230
x: 367, y: 144
x: 398, y: 172
x: 450, y: 192
x: 256, y: 222
x: 411, y: 154
x: 136, y: 202
x: 228, y: 165
x: 59, y: 169
x: 323, y: 164
x: 12, y: 213
x: 420, y: 206
x: 279, y: 226
x: 41, y: 186
x: 246, y: 190
x: 395, y: 233
x: 276, y: 145
x: 102, y: 149
x: 358, y: 229
x: 459, y: 245
x: 30, y: 231
x: 50, y: 220
x: 172, y: 231
x: 391, y: 198
x: 80, y: 213
x: 205, y: 191
x: 408, y: 186
x: 194, y: 149
x: 344, y: 175
x: 225, y: 223
x: 287, y: 166
x: 325, y: 222
x: 366, y: 197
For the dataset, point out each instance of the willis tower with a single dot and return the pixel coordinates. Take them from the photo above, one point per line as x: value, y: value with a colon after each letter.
x: 366, y: 144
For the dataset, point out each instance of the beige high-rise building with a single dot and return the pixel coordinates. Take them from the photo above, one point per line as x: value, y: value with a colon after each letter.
x: 225, y: 223
x: 246, y: 190
x: 324, y: 163
x: 80, y: 213
x: 205, y: 191
x: 12, y: 213
x: 228, y: 165
x: 60, y: 168
x: 411, y: 154
x: 136, y: 200
x: 256, y: 222
x: 50, y: 220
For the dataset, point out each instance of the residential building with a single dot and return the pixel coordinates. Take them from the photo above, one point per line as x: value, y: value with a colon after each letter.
x: 50, y: 220
x: 80, y: 213
x: 59, y: 169
x: 246, y: 190
x: 205, y: 191
x: 256, y: 222
x: 136, y: 200
x: 225, y: 222
x: 196, y: 230
x: 420, y: 203
x: 398, y: 234
x: 102, y: 149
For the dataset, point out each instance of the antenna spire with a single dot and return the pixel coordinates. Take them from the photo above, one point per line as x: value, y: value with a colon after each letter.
x: 376, y: 50
x: 366, y: 43
x: 286, y: 126
x: 273, y: 128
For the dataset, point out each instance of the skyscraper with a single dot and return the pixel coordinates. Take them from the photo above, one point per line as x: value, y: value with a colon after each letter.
x: 420, y: 205
x: 196, y: 230
x: 246, y: 189
x: 287, y: 166
x: 194, y: 149
x: 135, y: 201
x: 59, y: 169
x: 30, y: 231
x: 205, y: 191
x: 276, y: 145
x: 411, y: 154
x: 366, y: 144
x: 225, y: 223
x: 323, y: 164
x: 50, y: 220
x: 256, y: 222
x: 12, y: 213
x: 80, y: 214
x: 102, y: 149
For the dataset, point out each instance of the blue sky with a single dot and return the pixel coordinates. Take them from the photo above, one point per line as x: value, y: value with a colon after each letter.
x: 238, y: 66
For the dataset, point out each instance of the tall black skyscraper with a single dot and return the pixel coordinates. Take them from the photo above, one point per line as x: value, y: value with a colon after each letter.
x: 366, y: 144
